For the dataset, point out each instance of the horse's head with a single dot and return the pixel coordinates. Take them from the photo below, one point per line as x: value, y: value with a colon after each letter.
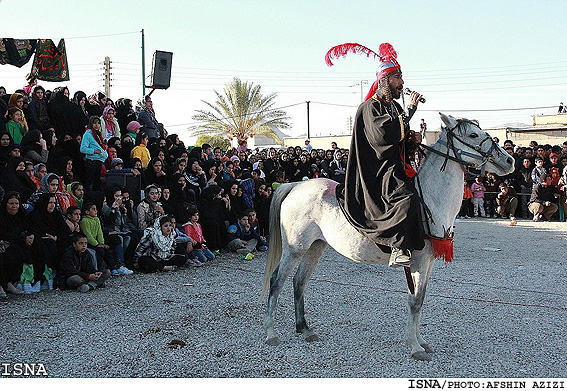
x: 473, y: 146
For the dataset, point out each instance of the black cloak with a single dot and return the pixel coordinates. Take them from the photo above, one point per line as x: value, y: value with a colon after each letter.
x: 378, y: 198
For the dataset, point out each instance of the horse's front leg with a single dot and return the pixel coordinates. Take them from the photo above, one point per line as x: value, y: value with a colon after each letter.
x: 420, y: 270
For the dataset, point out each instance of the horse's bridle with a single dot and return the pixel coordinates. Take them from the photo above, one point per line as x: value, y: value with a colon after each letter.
x: 482, y: 156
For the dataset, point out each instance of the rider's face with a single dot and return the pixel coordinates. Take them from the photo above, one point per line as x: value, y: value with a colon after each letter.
x: 396, y: 84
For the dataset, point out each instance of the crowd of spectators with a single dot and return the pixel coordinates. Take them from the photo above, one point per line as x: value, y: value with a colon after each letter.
x: 536, y: 188
x: 65, y: 224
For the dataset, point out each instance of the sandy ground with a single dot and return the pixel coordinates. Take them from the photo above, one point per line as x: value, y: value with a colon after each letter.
x: 488, y: 314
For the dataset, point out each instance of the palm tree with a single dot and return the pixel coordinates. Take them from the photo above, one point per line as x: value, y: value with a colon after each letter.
x: 240, y: 113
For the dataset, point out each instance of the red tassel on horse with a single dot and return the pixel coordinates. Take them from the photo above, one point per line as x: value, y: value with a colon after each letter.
x: 442, y: 248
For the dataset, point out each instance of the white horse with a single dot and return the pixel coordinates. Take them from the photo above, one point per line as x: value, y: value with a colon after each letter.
x: 305, y: 217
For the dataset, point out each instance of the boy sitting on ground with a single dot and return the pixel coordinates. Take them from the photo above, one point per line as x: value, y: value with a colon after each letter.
x: 77, y: 268
x: 241, y: 239
x: 255, y: 227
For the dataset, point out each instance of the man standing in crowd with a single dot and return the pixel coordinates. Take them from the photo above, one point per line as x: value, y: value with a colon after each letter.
x: 524, y: 180
x: 543, y: 194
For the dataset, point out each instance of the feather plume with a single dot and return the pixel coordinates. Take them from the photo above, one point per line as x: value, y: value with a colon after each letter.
x: 342, y: 50
x: 387, y: 53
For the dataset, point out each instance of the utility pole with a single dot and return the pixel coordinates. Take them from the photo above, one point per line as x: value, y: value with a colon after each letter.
x: 143, y: 66
x: 107, y: 76
x: 308, y: 128
x: 362, y: 82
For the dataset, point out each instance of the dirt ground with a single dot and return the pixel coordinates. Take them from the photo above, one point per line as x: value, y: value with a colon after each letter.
x: 497, y: 311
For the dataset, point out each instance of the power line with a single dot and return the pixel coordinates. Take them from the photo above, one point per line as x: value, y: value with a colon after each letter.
x: 463, y: 110
x: 104, y: 35
x: 238, y: 116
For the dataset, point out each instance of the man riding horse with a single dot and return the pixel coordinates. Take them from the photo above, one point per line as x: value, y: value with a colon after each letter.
x: 379, y: 198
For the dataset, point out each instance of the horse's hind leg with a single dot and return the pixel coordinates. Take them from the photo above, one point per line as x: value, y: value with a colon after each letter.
x: 277, y: 280
x: 307, y: 265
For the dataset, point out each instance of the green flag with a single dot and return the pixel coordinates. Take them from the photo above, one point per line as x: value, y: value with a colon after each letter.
x: 50, y: 61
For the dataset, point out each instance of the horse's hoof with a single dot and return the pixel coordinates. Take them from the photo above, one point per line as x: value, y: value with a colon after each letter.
x: 274, y: 341
x: 421, y: 356
x: 312, y: 338
x: 428, y: 349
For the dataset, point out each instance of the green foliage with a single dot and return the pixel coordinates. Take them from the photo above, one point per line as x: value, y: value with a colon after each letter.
x: 241, y: 112
x: 214, y: 141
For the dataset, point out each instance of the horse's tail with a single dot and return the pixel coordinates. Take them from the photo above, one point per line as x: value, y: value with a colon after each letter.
x: 275, y: 249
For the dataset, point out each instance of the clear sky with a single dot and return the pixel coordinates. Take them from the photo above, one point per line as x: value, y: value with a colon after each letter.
x: 462, y: 55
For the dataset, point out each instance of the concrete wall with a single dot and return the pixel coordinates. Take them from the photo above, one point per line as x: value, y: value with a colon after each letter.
x: 553, y: 119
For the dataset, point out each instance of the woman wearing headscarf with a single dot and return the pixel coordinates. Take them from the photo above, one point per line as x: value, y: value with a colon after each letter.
x: 213, y: 214
x: 155, y: 173
x: 14, y: 178
x: 5, y: 141
x: 39, y: 171
x: 65, y: 170
x: 67, y: 146
x: 210, y: 171
x: 34, y: 147
x: 109, y: 124
x: 195, y: 178
x: 60, y: 111
x: 49, y: 184
x: 149, y: 208
x: 49, y: 226
x: 124, y: 112
x: 147, y: 118
x: 178, y: 200
x: 97, y: 103
x: 337, y: 167
x: 25, y: 257
x: 236, y: 205
x: 156, y: 250
x: 80, y: 115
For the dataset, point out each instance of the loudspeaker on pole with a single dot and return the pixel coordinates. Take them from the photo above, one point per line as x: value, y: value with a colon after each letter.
x: 161, y: 73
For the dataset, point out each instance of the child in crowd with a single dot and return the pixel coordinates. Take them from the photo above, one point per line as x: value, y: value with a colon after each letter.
x: 77, y: 267
x: 466, y: 204
x: 478, y: 190
x: 92, y: 228
x: 255, y: 227
x: 280, y: 178
x: 156, y: 250
x: 199, y: 249
x: 241, y: 239
x: 538, y: 171
x: 13, y: 126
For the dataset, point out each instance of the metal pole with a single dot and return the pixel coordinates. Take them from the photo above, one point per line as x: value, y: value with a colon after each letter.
x: 143, y: 66
x: 308, y: 128
x: 107, y: 76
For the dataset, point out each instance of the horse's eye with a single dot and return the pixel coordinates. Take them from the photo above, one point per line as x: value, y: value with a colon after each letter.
x: 473, y: 135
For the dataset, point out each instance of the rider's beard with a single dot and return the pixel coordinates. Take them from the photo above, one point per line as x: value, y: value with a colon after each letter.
x: 384, y: 90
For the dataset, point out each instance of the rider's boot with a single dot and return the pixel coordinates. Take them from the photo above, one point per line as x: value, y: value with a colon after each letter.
x: 400, y: 257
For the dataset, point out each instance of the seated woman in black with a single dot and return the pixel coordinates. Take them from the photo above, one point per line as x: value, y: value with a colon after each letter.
x: 214, y: 217
x: 50, y: 227
x: 14, y: 178
x: 22, y: 249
